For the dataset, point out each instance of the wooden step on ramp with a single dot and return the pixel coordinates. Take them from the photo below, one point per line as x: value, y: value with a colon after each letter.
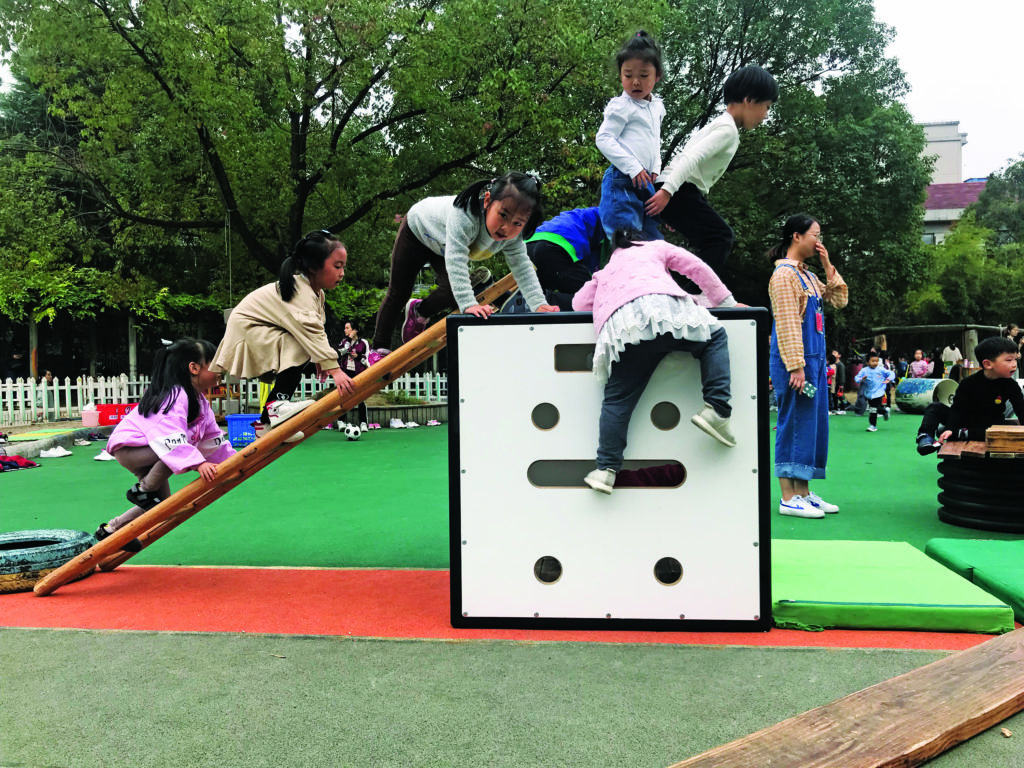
x: 903, y: 722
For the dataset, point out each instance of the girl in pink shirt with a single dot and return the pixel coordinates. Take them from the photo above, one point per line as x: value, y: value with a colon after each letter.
x: 640, y: 315
x: 172, y: 431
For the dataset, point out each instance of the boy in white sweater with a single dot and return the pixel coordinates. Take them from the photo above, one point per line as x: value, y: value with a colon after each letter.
x: 682, y: 188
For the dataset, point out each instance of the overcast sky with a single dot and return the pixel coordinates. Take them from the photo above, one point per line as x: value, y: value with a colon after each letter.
x: 963, y: 62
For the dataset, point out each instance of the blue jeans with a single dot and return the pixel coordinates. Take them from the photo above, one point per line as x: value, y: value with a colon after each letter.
x: 634, y: 369
x: 622, y: 206
x: 801, y: 435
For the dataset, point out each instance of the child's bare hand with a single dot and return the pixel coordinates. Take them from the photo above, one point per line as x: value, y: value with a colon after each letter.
x: 945, y: 435
x: 548, y: 308
x: 797, y: 380
x: 643, y: 179
x: 342, y: 381
x: 480, y: 310
x: 657, y: 203
x: 207, y: 471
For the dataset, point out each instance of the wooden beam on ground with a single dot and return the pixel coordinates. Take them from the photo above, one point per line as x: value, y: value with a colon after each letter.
x: 904, y: 722
x: 170, y: 513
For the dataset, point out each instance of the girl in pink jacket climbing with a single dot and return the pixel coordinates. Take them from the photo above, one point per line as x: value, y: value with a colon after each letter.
x: 172, y: 431
x: 640, y: 315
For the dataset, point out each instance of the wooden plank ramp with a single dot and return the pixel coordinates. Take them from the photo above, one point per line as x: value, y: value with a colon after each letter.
x: 903, y: 722
x: 172, y: 512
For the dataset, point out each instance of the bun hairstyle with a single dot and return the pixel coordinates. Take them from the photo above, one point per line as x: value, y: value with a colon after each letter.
x: 523, y: 187
x: 307, y: 257
x: 170, y: 370
x: 640, y: 46
x: 797, y: 224
x: 626, y: 238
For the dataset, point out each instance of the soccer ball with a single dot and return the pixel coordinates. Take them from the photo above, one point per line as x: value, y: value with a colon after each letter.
x: 352, y: 432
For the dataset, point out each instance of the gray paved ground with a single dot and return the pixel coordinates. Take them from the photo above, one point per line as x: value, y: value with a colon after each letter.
x: 74, y: 698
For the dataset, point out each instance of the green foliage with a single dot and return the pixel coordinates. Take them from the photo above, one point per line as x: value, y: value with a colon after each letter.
x: 398, y: 397
x: 180, y: 150
x: 971, y: 278
x: 1000, y: 206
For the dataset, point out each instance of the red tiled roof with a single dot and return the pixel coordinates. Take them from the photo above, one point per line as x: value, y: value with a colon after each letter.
x: 941, y: 196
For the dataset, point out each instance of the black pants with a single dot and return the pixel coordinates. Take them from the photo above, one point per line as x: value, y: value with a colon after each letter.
x: 285, y: 384
x: 559, y: 275
x: 360, y: 411
x: 874, y: 404
x: 937, y: 415
x: 690, y: 214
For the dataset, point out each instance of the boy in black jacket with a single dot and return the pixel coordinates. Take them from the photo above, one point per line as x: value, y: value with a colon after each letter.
x: 980, y: 400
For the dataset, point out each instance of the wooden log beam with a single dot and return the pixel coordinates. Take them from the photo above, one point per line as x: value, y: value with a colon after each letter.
x: 904, y: 722
x: 171, y: 512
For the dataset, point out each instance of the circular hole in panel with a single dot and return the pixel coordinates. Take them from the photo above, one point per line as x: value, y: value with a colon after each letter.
x: 665, y: 415
x: 544, y: 416
x: 547, y: 569
x: 668, y: 571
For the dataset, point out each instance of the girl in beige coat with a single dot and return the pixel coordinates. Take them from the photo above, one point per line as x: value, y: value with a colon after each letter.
x: 278, y: 330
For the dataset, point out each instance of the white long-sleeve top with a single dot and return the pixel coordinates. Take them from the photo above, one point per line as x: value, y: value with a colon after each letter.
x: 630, y: 135
x: 460, y: 237
x: 705, y: 157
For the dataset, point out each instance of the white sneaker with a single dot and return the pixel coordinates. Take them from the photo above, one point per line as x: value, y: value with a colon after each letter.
x: 797, y: 507
x: 816, y: 501
x: 282, y: 410
x: 397, y: 424
x: 103, y: 456
x: 260, y: 429
x: 411, y: 425
x: 363, y: 427
x: 715, y: 425
x: 602, y: 480
x: 57, y: 452
x: 871, y: 429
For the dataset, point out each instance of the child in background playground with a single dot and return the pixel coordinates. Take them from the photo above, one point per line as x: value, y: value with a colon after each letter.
x: 630, y: 139
x: 980, y: 399
x: 352, y: 354
x: 486, y: 218
x: 172, y: 431
x: 873, y: 379
x: 681, y: 197
x: 919, y: 368
x: 640, y: 315
x: 276, y: 330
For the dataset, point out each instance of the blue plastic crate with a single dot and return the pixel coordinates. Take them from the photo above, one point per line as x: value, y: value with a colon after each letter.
x: 240, y: 430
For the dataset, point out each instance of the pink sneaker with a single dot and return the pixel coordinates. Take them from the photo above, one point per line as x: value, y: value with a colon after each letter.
x: 376, y: 355
x: 433, y: 423
x: 414, y: 324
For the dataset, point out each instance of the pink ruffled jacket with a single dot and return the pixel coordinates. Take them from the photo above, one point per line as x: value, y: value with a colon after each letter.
x: 645, y: 269
x: 178, y: 444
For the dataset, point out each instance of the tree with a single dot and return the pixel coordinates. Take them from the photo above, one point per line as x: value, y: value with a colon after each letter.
x: 1000, y: 206
x: 278, y: 116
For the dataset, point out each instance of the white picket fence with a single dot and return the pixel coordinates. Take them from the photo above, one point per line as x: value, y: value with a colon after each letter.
x: 29, y: 402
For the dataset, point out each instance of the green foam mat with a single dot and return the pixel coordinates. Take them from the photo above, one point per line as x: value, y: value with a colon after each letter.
x: 994, y: 566
x: 876, y: 585
x: 38, y: 435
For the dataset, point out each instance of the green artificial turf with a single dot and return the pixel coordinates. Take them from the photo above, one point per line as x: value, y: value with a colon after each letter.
x: 382, y: 501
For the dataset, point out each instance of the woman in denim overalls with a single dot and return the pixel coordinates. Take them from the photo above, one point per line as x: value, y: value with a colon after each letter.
x: 797, y: 363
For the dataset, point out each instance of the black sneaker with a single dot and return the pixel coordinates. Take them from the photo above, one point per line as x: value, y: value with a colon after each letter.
x: 132, y: 546
x: 927, y: 445
x: 142, y: 499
